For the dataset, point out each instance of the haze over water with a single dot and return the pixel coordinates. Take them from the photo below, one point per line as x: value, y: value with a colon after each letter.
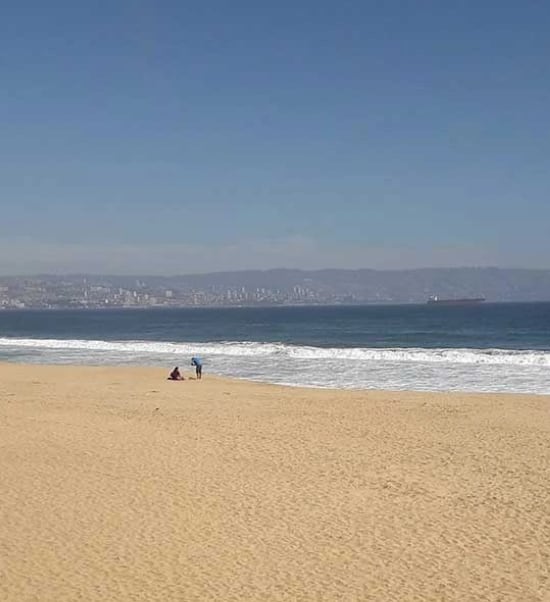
x: 492, y: 347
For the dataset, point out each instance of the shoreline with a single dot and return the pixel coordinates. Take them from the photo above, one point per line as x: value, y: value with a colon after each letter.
x: 487, y: 302
x: 118, y: 484
x: 236, y: 379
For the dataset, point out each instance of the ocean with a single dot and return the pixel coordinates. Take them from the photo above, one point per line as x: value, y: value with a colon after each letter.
x: 487, y: 347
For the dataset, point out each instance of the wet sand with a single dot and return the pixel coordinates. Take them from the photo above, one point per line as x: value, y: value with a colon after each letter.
x: 120, y: 485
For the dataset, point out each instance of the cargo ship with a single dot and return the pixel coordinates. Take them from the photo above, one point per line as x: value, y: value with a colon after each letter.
x: 435, y: 300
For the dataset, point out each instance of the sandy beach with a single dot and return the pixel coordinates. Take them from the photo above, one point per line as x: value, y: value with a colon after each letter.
x: 120, y: 485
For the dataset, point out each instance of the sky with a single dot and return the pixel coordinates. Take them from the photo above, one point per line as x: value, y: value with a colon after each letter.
x: 165, y: 137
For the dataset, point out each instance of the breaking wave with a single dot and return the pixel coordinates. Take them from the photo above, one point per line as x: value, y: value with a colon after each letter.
x: 420, y: 369
x: 280, y: 351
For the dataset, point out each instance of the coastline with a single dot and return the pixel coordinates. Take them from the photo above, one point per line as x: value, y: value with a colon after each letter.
x: 394, y: 348
x: 118, y: 484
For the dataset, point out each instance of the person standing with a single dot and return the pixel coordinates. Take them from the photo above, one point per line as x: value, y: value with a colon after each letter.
x: 197, y: 362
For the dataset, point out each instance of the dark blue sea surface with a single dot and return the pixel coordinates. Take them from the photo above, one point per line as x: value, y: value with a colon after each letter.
x: 470, y: 347
x: 506, y: 326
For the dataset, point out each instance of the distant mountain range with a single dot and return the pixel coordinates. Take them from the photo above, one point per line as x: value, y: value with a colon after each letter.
x: 280, y: 286
x: 398, y: 286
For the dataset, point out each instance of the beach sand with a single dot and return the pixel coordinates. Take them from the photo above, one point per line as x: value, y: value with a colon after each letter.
x: 119, y: 485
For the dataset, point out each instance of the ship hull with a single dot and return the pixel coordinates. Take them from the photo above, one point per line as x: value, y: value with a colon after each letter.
x: 474, y: 301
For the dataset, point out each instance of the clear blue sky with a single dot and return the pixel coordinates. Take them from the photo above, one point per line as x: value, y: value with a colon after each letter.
x: 175, y: 136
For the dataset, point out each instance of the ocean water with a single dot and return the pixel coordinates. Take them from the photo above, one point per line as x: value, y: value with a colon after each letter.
x: 489, y: 347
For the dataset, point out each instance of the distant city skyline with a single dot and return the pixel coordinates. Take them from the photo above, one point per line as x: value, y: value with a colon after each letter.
x: 178, y: 138
x: 274, y: 287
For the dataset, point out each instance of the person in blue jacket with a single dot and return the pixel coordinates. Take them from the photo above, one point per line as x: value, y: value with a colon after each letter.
x: 197, y: 362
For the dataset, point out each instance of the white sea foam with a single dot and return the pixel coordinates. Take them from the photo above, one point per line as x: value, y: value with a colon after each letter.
x: 253, y: 349
x: 384, y: 368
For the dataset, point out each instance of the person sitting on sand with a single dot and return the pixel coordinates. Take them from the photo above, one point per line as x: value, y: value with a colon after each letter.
x: 197, y: 362
x: 175, y: 374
